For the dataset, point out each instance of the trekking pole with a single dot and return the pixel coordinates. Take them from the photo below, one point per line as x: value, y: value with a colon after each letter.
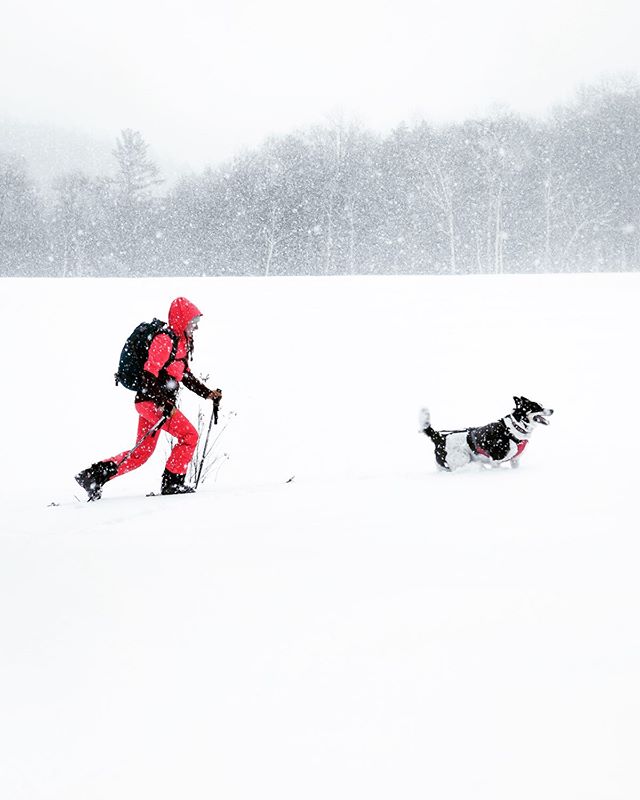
x: 213, y: 420
x: 149, y: 433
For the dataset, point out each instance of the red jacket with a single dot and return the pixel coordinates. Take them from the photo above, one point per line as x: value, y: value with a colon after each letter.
x: 162, y: 374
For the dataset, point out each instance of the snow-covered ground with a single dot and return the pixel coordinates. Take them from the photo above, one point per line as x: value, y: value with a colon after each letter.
x: 372, y: 629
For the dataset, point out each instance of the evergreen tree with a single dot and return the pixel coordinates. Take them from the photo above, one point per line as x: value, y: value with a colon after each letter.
x: 134, y: 207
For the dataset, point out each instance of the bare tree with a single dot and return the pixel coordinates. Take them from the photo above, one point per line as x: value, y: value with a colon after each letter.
x: 22, y: 239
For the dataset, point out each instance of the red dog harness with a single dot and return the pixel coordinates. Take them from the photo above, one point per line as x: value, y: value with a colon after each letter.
x: 521, y: 445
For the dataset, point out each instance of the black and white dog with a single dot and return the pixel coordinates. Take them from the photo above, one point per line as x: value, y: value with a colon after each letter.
x: 492, y: 444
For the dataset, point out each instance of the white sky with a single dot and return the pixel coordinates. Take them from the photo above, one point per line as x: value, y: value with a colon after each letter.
x: 202, y: 78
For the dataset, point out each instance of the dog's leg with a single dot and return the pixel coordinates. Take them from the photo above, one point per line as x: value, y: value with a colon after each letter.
x: 515, y: 463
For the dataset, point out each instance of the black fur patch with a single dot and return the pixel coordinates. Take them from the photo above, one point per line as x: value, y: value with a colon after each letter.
x: 493, y: 439
x: 440, y: 443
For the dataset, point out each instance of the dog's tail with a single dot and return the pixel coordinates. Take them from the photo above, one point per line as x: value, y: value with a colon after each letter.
x: 424, y: 422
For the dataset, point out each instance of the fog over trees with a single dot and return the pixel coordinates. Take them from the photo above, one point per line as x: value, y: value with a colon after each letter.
x: 492, y: 195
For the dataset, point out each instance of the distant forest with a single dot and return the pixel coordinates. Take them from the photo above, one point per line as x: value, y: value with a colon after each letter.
x: 501, y: 194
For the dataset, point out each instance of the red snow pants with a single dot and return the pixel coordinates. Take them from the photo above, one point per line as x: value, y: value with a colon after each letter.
x: 177, y: 425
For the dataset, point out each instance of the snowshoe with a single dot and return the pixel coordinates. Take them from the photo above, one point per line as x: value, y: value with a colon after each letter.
x: 94, y: 478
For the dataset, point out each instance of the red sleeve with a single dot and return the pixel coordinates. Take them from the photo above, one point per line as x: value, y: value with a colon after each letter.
x: 159, y: 353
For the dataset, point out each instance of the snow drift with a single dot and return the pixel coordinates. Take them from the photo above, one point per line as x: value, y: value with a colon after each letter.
x: 373, y: 628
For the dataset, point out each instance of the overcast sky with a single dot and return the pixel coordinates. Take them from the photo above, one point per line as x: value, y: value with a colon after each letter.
x: 203, y: 78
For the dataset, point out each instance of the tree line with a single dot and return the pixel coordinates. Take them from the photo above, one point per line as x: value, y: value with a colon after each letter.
x: 497, y: 194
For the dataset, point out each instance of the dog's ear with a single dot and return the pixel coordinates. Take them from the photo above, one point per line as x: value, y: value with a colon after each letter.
x: 517, y: 401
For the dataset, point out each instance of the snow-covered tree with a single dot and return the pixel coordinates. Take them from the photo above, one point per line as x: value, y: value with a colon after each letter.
x: 134, y: 206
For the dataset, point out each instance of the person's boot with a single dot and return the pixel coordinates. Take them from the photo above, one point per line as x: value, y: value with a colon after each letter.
x: 94, y: 478
x: 174, y: 484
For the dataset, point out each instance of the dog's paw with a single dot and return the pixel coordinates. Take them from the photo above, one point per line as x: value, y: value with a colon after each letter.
x: 424, y: 420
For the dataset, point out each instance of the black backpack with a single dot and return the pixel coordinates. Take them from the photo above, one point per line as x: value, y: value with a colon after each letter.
x: 136, y: 350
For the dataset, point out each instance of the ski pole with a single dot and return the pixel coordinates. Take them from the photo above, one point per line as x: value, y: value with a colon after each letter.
x: 149, y: 433
x: 214, y: 418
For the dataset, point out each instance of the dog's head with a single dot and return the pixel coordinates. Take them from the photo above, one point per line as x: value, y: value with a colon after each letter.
x: 529, y: 413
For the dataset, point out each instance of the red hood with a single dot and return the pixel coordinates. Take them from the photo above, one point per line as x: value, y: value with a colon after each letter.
x: 181, y: 313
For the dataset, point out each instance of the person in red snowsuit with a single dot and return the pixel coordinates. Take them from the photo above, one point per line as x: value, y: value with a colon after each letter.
x: 155, y: 399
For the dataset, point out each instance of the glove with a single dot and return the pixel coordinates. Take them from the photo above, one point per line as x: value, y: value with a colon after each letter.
x: 216, y: 396
x: 168, y: 410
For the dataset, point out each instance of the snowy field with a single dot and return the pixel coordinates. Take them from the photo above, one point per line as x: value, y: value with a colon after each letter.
x: 373, y: 628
